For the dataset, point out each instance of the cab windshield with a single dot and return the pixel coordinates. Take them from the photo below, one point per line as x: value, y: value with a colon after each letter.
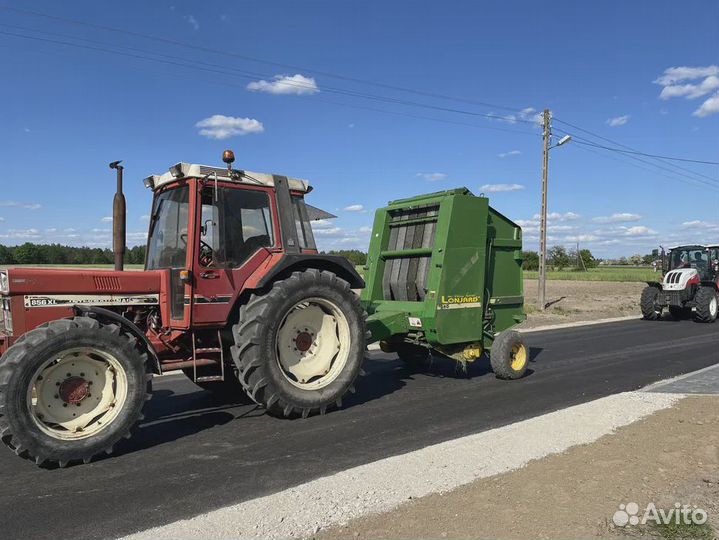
x: 167, y: 238
x: 691, y: 257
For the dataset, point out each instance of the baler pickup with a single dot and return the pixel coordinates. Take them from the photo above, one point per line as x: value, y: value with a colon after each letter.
x: 444, y: 272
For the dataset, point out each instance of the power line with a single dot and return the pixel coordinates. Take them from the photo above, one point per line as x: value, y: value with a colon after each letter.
x: 673, y: 165
x: 257, y: 60
x: 649, y: 155
x: 246, y: 74
x: 224, y: 70
x: 685, y: 179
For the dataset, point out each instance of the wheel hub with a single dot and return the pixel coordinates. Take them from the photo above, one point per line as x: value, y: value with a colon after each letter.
x: 73, y: 390
x: 303, y: 341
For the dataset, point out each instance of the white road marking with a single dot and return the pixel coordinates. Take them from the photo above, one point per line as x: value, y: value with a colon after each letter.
x: 385, y: 484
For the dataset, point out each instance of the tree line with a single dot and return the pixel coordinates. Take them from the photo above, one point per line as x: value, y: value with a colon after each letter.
x: 29, y: 253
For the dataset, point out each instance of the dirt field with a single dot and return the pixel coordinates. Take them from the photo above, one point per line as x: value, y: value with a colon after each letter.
x: 573, y: 301
x: 672, y: 456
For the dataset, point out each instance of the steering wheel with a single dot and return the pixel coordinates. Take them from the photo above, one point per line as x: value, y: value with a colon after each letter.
x: 206, y: 254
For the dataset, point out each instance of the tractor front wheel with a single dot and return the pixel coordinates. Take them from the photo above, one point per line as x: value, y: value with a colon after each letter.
x: 71, y: 389
x: 707, y: 303
x: 509, y: 355
x: 300, y: 346
x: 648, y: 303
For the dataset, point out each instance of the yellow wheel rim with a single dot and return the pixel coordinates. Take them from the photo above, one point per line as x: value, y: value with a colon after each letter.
x: 519, y: 357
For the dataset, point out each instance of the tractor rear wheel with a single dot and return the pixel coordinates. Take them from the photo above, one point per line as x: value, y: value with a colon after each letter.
x: 509, y: 355
x: 707, y: 303
x: 648, y: 303
x: 71, y: 389
x: 300, y: 346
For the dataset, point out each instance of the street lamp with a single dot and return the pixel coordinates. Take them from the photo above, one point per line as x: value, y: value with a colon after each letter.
x: 542, y: 288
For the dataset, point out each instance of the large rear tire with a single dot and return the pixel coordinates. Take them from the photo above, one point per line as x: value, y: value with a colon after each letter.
x: 707, y: 305
x: 300, y: 346
x: 71, y: 389
x: 648, y: 303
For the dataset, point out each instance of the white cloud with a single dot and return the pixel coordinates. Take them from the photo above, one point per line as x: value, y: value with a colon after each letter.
x: 364, y: 230
x: 582, y: 238
x: 703, y: 225
x: 674, y: 75
x: 106, y: 219
x: 15, y: 204
x: 22, y: 234
x: 2, y: 219
x: 499, y: 188
x: 286, y: 84
x: 710, y: 106
x: 557, y: 216
x: 432, y: 177
x: 354, y: 208
x: 509, y: 154
x: 638, y: 230
x: 621, y: 217
x: 618, y: 121
x: 146, y: 217
x: 528, y: 114
x: 221, y: 127
x: 708, y: 85
x: 192, y: 21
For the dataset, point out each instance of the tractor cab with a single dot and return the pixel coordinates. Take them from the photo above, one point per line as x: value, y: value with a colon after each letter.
x: 695, y: 257
x: 213, y: 228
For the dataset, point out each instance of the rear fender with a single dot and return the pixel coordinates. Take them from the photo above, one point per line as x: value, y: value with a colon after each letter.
x: 298, y: 262
x: 107, y: 315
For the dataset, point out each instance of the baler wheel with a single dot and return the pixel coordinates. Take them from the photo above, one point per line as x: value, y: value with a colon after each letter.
x: 707, y: 302
x: 648, y: 303
x: 300, y: 346
x: 509, y: 355
x: 71, y: 389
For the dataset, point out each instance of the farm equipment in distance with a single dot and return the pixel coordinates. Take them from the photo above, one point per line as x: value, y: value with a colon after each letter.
x: 689, y: 285
x: 235, y: 294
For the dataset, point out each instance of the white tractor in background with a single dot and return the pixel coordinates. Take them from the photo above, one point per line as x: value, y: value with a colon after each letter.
x: 689, y: 286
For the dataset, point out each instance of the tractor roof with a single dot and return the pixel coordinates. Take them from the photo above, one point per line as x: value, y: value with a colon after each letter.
x: 185, y: 170
x: 689, y: 246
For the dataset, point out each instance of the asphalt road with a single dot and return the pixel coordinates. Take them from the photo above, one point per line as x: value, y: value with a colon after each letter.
x: 193, y: 454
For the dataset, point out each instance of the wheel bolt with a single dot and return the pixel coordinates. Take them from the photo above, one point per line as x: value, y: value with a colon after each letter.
x: 82, y: 374
x: 64, y: 404
x: 57, y: 384
x: 69, y: 374
x: 57, y: 396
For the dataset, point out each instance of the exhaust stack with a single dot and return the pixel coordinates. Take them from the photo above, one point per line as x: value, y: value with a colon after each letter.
x: 118, y: 219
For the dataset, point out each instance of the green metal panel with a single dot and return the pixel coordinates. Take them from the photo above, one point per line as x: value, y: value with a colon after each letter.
x: 444, y: 268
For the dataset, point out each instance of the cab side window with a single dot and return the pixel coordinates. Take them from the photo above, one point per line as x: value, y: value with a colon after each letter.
x: 235, y: 224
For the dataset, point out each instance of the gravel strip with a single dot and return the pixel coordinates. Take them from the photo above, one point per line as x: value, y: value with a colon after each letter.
x: 383, y: 485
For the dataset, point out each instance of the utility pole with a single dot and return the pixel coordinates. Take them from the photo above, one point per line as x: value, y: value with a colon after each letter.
x: 541, y: 299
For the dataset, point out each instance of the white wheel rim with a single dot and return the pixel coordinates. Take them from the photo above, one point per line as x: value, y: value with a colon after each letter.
x: 713, y: 306
x: 77, y: 393
x: 313, y: 343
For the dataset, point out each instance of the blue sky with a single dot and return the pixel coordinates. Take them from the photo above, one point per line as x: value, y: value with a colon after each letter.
x: 69, y: 110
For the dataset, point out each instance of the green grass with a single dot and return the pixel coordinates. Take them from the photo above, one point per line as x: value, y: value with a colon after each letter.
x: 71, y: 266
x: 629, y: 273
x: 692, y: 531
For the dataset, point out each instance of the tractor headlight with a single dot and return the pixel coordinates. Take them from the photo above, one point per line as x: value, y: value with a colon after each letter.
x: 4, y: 283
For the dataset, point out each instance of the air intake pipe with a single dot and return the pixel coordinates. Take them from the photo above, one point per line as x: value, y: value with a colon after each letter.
x: 119, y: 219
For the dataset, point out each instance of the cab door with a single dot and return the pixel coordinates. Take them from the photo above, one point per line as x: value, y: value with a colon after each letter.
x: 234, y: 236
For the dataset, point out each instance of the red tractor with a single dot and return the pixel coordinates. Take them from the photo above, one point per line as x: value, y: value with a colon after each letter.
x: 234, y: 294
x: 689, y: 286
